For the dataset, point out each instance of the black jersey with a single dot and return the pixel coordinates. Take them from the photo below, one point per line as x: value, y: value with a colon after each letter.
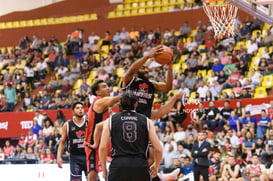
x: 129, y: 132
x: 144, y: 90
x: 76, y: 137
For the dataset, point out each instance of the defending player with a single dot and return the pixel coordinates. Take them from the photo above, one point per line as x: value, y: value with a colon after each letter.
x: 130, y: 133
x: 98, y: 112
x: 73, y: 134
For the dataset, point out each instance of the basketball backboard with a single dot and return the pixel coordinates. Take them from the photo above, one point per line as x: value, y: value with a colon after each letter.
x: 261, y: 9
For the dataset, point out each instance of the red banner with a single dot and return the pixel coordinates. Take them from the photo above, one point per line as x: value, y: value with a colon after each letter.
x: 12, y: 125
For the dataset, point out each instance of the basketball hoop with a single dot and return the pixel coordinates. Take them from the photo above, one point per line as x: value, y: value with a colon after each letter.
x: 222, y: 17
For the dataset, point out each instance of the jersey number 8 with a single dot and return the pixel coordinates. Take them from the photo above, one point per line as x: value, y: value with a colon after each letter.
x: 129, y: 131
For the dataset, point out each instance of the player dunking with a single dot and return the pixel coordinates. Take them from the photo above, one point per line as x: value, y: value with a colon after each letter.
x: 98, y: 112
x: 73, y: 134
x: 136, y: 79
x: 130, y: 133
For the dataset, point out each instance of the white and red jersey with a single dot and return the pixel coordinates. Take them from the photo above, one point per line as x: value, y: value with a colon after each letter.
x: 258, y: 169
x: 30, y: 139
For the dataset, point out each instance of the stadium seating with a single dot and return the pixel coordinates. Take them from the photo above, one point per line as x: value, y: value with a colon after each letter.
x: 48, y: 21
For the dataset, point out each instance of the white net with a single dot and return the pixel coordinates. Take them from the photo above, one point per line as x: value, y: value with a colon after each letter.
x: 222, y: 18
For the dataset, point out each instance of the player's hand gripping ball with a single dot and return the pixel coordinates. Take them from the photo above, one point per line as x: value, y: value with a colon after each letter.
x: 165, y: 56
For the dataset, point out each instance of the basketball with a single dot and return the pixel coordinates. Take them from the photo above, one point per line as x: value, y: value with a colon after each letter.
x: 165, y: 57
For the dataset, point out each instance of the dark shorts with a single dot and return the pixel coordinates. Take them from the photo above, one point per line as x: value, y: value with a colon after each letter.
x: 77, y: 166
x: 92, y: 160
x: 133, y: 169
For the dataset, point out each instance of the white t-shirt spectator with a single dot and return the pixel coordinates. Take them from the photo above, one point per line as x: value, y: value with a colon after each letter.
x: 191, y: 45
x: 251, y: 48
x: 235, y: 141
x: 124, y: 35
x: 41, y: 66
x: 186, y: 90
x: 179, y: 136
x: 29, y: 72
x: 92, y: 38
x: 62, y: 71
x: 256, y: 77
x: 202, y: 91
x: 39, y: 119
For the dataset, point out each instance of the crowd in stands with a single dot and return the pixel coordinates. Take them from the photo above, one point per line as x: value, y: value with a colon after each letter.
x: 236, y: 137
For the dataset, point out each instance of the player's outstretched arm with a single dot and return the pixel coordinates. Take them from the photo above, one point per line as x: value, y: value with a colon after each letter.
x: 103, y: 147
x: 61, y: 146
x: 102, y: 104
x: 156, y: 114
x: 162, y: 86
x: 138, y: 64
x: 157, y: 147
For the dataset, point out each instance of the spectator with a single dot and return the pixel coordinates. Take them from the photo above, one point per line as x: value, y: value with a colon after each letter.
x: 229, y: 67
x: 45, y: 100
x: 10, y: 94
x: 30, y: 156
x: 252, y: 48
x: 190, y: 81
x: 214, y: 166
x: 35, y: 127
x: 255, y: 77
x: 168, y: 156
x: 84, y: 86
x: 55, y: 140
x: 66, y: 89
x: 179, y: 135
x: 27, y: 100
x: 244, y: 32
x: 22, y: 141
x: 225, y: 112
x: 242, y: 67
x: 212, y: 78
x: 202, y: 89
x: 19, y: 155
x: 212, y: 119
x: 240, y: 110
x: 259, y: 146
x: 62, y: 70
x: 230, y: 169
x: 183, y: 88
x: 29, y: 73
x: 189, y: 142
x: 263, y: 123
x: 60, y: 118
x: 255, y: 170
x: 187, y: 168
x: 234, y: 139
x: 30, y: 140
x: 200, y: 116
x: 191, y: 130
x: 268, y: 153
x: 233, y: 122
x: 8, y: 148
x: 41, y: 67
x: 217, y: 66
x: 248, y: 144
x: 222, y: 78
x: 39, y: 118
x: 248, y: 123
x: 185, y: 30
x: 263, y: 64
x: 270, y: 110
